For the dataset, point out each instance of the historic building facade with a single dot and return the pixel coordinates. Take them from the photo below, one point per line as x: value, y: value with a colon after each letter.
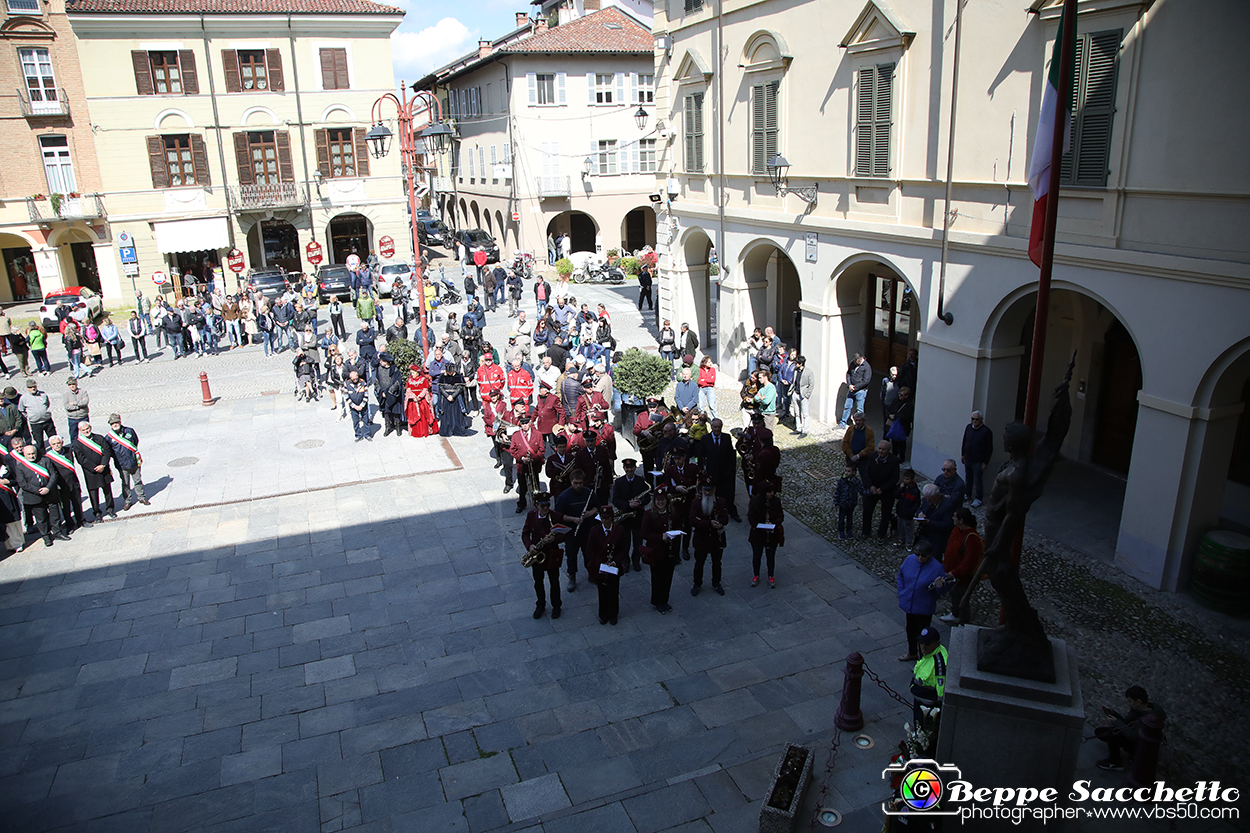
x: 1152, y: 275
x: 240, y: 125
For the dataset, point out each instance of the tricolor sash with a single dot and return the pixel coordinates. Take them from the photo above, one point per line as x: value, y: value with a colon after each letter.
x: 92, y: 444
x: 6, y: 488
x: 35, y: 467
x: 126, y: 444
x: 64, y: 461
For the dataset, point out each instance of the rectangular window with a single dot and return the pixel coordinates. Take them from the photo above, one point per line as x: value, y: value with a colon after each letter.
x: 57, y: 165
x: 166, y: 78
x: 471, y: 168
x: 607, y: 161
x: 1093, y: 109
x: 763, y: 125
x: 604, y: 85
x: 262, y: 151
x: 23, y: 6
x: 252, y: 74
x: 546, y: 88
x: 646, y: 89
x: 481, y: 161
x: 646, y: 156
x: 334, y: 69
x: 179, y: 161
x: 693, y: 129
x: 693, y: 6
x: 40, y: 81
x: 342, y: 144
x: 874, y: 116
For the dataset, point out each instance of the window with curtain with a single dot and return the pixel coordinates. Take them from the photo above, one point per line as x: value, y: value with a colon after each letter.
x: 166, y: 77
x: 179, y: 160
x: 57, y: 165
x: 263, y: 152
x: 252, y: 73
x: 342, y: 144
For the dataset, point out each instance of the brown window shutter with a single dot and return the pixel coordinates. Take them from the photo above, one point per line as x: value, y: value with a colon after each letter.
x: 341, y: 80
x: 143, y: 72
x: 286, y: 171
x: 323, y: 152
x: 328, y: 81
x: 273, y: 66
x: 362, y: 152
x: 243, y: 156
x: 186, y: 65
x: 156, y: 159
x: 199, y: 157
x: 230, y: 67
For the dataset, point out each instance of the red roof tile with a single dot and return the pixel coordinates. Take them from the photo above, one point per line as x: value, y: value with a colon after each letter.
x: 230, y: 7
x: 609, y: 30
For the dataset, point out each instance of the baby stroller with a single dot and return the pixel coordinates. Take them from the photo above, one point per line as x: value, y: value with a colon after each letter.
x: 448, y: 294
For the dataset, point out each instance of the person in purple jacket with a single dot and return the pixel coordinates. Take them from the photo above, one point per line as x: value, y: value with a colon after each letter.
x: 921, y: 580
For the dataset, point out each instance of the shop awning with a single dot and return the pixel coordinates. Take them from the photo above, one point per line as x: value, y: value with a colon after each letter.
x: 208, y: 233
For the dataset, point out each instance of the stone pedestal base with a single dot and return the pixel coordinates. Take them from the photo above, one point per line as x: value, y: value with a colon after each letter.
x: 1007, y: 732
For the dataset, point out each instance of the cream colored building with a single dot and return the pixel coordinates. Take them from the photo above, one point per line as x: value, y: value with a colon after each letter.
x: 53, y: 222
x: 240, y: 125
x: 1152, y: 275
x: 547, y: 132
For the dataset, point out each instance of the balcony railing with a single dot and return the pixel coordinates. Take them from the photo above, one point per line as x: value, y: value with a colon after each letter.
x: 262, y: 197
x: 58, y: 106
x: 552, y: 186
x: 84, y: 207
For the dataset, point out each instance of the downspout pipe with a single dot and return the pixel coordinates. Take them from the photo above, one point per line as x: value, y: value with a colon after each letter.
x: 221, y: 152
x: 942, y: 314
x: 299, y: 114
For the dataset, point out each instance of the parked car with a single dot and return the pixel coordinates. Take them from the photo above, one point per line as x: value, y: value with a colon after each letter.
x: 391, y: 271
x: 333, y: 280
x: 433, y: 233
x: 270, y: 283
x: 477, y: 238
x: 78, y: 302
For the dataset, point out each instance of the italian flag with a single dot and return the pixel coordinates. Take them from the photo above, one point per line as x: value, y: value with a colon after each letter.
x: 1054, y: 107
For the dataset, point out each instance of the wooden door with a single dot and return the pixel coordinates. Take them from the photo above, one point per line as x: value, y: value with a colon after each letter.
x: 890, y: 336
x: 1117, y: 401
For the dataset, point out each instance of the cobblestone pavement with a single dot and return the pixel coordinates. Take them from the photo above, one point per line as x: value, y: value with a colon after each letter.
x: 356, y: 651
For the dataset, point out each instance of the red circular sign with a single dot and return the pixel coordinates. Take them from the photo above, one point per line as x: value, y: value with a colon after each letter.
x: 159, y: 278
x: 313, y: 251
x: 479, y: 257
x: 386, y: 247
x: 235, y: 261
x: 516, y: 216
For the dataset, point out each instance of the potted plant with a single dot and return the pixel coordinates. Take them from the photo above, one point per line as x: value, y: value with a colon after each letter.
x: 564, y: 267
x: 630, y: 266
x: 55, y: 199
x: 713, y: 269
x: 613, y: 256
x: 637, y: 376
x: 785, y: 793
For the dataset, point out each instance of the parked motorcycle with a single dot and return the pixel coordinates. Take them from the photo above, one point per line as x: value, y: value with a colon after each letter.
x: 599, y: 273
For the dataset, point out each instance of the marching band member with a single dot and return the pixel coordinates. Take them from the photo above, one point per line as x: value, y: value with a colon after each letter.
x: 707, y: 519
x: 627, y: 496
x: 538, y: 524
x: 682, y: 478
x: 603, y: 561
x: 575, y: 506
x: 765, y: 508
x: 660, y: 550
x: 562, y: 462
x: 527, y: 449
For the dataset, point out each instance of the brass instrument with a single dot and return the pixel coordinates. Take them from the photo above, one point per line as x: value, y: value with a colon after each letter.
x: 749, y: 390
x: 564, y: 472
x: 536, y: 557
x: 646, y: 491
x: 745, y: 449
x: 649, y: 438
x: 533, y: 474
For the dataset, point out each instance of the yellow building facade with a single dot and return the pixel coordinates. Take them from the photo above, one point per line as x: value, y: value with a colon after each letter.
x: 226, y: 126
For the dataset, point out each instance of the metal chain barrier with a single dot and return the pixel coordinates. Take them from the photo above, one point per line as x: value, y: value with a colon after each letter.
x: 880, y: 682
x: 824, y: 784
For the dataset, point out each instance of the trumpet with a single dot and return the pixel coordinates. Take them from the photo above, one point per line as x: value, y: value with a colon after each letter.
x: 536, y: 556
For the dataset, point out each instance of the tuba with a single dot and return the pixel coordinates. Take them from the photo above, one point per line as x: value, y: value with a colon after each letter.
x: 649, y: 438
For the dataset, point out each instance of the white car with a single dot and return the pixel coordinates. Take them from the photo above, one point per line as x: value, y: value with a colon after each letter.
x: 389, y: 272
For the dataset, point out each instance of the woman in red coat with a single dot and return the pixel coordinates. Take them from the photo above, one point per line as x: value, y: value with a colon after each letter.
x: 765, y: 508
x: 964, y: 551
x: 418, y: 409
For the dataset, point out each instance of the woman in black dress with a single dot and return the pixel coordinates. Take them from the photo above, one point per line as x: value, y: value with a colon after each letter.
x: 454, y: 419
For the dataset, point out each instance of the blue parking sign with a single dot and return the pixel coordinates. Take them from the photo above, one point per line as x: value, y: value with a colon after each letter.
x: 128, y: 254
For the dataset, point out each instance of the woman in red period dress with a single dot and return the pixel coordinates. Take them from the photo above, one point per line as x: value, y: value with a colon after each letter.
x: 417, y: 408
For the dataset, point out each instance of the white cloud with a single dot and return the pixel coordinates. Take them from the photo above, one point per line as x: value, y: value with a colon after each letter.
x: 416, y: 53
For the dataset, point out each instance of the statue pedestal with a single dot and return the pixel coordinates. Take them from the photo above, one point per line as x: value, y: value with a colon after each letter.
x: 1009, y: 732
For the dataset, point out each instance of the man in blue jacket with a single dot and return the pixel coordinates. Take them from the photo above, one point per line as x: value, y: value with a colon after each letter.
x: 125, y: 444
x: 921, y: 579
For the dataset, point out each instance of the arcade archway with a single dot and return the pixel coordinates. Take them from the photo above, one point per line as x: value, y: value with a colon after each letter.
x: 638, y: 229
x: 581, y: 228
x: 773, y: 291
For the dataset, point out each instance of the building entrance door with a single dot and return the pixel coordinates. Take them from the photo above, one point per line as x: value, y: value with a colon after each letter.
x: 1117, y: 404
x: 892, y: 324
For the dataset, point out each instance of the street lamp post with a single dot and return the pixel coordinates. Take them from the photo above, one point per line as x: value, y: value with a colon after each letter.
x: 424, y: 103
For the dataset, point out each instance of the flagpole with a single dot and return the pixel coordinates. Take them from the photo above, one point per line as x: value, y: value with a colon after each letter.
x: 1067, y: 57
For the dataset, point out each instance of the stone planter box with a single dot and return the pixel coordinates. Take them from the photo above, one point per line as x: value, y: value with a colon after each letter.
x: 789, y: 781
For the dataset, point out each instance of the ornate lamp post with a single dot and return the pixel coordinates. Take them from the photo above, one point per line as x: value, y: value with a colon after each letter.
x: 425, y: 106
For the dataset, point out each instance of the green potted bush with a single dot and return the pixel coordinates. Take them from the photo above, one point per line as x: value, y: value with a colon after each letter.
x: 564, y: 267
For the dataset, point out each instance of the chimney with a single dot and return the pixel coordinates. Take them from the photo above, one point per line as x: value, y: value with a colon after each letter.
x: 540, y: 25
x: 522, y: 19
x: 483, y: 48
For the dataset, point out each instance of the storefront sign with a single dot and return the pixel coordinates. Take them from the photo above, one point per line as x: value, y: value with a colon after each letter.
x: 235, y: 261
x: 313, y: 251
x: 386, y: 247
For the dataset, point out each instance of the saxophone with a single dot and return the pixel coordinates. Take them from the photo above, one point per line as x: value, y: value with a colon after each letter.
x: 536, y: 557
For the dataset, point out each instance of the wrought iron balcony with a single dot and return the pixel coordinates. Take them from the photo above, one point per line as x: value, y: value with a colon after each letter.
x: 552, y: 187
x: 58, y: 106
x: 82, y: 207
x: 265, y: 197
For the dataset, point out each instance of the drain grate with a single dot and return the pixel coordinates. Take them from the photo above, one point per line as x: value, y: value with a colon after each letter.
x: 182, y: 462
x: 305, y: 444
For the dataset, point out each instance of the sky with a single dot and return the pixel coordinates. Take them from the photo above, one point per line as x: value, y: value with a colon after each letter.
x: 434, y: 34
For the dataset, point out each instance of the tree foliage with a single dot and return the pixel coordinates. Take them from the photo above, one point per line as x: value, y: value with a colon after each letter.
x: 642, y: 374
x: 406, y: 352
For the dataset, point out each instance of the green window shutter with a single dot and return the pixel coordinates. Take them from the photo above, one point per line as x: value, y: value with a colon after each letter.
x: 865, y: 96
x: 1093, y: 108
x: 757, y: 129
x: 771, y: 129
x: 694, y: 132
x: 883, y: 122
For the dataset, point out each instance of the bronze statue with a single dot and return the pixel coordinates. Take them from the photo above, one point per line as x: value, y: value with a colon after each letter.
x: 1019, y: 648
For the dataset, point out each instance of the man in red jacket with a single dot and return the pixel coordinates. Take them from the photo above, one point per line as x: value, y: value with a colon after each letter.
x: 520, y: 383
x: 489, y: 377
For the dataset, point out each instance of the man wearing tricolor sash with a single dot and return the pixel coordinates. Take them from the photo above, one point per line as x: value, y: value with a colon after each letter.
x: 94, y: 453
x: 125, y: 444
x: 38, y: 480
x: 69, y: 489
